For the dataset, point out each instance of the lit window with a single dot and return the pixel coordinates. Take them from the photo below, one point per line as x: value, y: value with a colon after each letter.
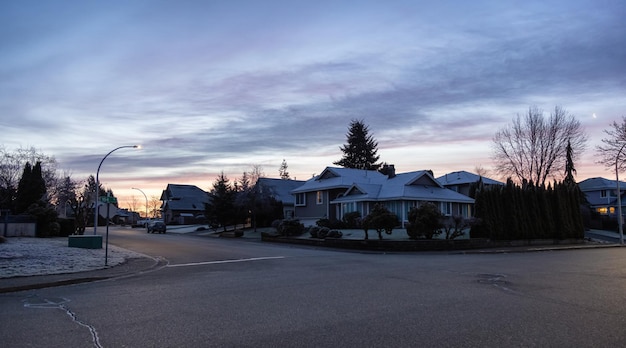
x: 602, y: 210
x: 320, y: 197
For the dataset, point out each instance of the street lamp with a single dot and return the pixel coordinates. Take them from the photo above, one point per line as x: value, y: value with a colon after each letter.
x: 619, y: 198
x: 146, y: 197
x: 95, y: 218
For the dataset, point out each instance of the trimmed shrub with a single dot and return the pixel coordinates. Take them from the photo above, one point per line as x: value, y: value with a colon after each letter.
x: 290, y: 228
x: 352, y: 219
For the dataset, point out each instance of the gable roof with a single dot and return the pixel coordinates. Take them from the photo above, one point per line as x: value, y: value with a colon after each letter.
x: 597, y: 184
x: 184, y: 197
x: 462, y: 177
x: 280, y: 189
x: 418, y: 185
x: 334, y: 178
x: 371, y: 185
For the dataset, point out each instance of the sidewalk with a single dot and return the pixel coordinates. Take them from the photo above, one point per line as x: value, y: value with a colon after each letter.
x: 31, y: 263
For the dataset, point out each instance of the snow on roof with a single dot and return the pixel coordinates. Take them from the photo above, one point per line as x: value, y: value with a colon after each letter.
x: 463, y: 177
x: 370, y: 184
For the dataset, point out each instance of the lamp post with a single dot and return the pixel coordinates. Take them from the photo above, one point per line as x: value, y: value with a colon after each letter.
x: 95, y: 218
x: 146, y: 197
x: 619, y: 198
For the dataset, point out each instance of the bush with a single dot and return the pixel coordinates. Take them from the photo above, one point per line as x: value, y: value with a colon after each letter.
x: 68, y: 227
x: 380, y: 219
x: 352, y: 219
x: 424, y: 221
x: 332, y: 224
x: 290, y: 228
x: 324, y: 232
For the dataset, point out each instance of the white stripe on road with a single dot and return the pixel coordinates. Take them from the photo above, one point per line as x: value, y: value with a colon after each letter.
x: 226, y: 261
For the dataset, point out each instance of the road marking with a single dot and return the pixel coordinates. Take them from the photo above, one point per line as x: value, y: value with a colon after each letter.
x: 226, y: 261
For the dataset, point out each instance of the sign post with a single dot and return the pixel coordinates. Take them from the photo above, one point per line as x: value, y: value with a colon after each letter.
x: 108, y: 200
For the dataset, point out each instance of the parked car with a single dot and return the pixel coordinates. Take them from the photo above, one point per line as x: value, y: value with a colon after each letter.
x: 156, y: 227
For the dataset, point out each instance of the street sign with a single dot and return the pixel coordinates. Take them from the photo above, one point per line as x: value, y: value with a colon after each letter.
x: 105, y: 199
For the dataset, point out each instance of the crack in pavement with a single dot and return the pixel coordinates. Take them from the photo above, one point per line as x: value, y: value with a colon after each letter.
x: 60, y: 303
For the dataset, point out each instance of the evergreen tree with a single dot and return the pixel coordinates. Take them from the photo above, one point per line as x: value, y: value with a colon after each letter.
x: 360, y: 151
x: 569, y: 165
x: 31, y: 188
x: 284, y: 174
x: 221, y: 208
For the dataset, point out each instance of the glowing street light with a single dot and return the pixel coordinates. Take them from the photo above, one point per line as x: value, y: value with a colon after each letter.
x: 95, y: 218
x: 146, y: 197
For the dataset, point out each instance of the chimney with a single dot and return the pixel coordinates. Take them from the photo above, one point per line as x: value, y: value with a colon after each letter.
x: 389, y: 170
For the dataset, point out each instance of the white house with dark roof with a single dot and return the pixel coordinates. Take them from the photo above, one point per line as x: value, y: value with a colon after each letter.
x: 183, y: 203
x: 601, y: 194
x: 462, y: 181
x: 337, y: 191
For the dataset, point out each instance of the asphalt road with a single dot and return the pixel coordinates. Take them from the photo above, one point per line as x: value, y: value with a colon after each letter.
x: 235, y: 293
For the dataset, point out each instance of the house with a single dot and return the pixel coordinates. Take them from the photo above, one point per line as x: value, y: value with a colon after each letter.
x: 280, y: 190
x: 337, y: 191
x: 465, y: 182
x: 183, y: 204
x: 601, y: 194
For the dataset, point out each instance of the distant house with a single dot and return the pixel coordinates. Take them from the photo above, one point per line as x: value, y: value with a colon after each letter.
x: 601, y: 194
x: 463, y: 182
x: 280, y: 190
x: 337, y: 191
x: 183, y: 204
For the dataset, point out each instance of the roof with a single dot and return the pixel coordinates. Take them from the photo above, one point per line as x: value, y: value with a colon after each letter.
x: 462, y: 177
x: 184, y: 197
x: 600, y: 184
x: 280, y: 189
x: 333, y: 178
x: 372, y: 185
x: 418, y: 185
x: 597, y: 184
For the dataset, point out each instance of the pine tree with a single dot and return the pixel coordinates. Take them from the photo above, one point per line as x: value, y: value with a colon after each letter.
x: 221, y: 209
x: 360, y: 151
x: 31, y: 187
x: 284, y: 174
x: 569, y: 166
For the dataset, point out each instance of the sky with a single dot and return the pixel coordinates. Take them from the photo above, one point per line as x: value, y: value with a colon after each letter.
x: 222, y: 86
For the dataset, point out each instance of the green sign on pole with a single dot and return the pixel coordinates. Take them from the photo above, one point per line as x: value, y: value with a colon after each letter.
x: 105, y: 199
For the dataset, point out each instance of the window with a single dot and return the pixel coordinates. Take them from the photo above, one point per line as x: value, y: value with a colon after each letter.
x: 446, y: 208
x: 301, y: 199
x: 320, y: 197
x: 603, y: 193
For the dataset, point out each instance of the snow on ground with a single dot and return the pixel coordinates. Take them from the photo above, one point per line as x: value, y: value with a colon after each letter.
x: 41, y: 256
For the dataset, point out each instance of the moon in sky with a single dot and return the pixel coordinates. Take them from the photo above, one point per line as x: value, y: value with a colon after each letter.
x: 594, y: 115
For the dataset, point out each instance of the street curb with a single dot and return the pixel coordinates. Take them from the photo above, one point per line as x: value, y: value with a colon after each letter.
x: 536, y: 249
x: 130, y: 267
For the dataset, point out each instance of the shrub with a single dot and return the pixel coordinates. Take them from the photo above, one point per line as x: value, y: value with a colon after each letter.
x: 68, y: 226
x: 380, y: 219
x: 424, y: 221
x: 313, y: 231
x: 332, y: 224
x: 352, y: 219
x: 290, y: 228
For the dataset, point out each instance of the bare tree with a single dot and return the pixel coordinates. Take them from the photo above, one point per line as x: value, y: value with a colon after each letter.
x: 255, y: 173
x: 533, y: 148
x: 155, y: 205
x: 611, y: 152
x: 133, y: 204
x: 481, y: 171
